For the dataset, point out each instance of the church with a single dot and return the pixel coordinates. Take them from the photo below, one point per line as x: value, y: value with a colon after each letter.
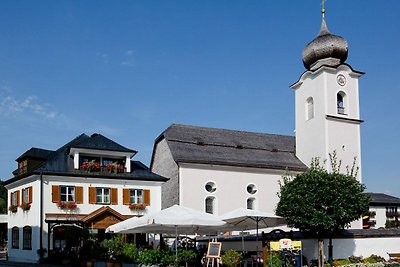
x: 217, y: 170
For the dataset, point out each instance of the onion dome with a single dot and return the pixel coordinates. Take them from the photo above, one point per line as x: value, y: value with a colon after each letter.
x: 325, y: 49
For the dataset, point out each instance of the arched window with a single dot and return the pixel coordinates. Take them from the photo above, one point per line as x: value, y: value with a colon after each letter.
x: 309, y: 108
x: 209, y: 205
x: 340, y: 100
x: 251, y: 203
x: 15, y: 237
x: 27, y: 238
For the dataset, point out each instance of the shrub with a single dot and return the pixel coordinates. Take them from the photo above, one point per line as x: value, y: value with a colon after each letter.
x: 274, y: 260
x: 129, y: 253
x: 231, y: 258
x: 186, y: 256
x: 355, y: 259
x: 150, y: 257
x: 339, y: 262
x: 374, y: 259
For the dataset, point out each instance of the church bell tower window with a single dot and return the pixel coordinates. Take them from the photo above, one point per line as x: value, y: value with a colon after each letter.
x: 309, y: 108
x: 341, y: 96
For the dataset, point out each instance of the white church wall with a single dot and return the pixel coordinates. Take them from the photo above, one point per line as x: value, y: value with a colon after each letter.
x: 310, y: 137
x: 231, y: 187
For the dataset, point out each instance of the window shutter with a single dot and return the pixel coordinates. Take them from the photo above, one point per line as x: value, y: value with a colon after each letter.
x: 18, y: 200
x: 114, y: 196
x: 30, y: 196
x: 79, y: 194
x: 92, y: 195
x: 146, y: 197
x: 55, y: 192
x: 125, y: 196
x: 23, y: 196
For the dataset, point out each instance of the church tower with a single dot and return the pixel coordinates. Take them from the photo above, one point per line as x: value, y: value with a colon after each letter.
x: 327, y: 103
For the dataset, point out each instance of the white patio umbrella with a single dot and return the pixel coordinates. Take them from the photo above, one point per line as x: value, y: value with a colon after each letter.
x: 245, y: 219
x: 116, y: 228
x: 175, y: 219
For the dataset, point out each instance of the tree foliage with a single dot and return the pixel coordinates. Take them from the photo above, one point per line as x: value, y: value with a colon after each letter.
x: 322, y: 202
x: 3, y: 199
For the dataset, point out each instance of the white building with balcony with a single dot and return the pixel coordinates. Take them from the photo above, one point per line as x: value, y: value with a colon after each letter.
x: 89, y: 183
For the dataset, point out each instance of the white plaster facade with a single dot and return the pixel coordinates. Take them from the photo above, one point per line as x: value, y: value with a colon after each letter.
x: 45, y: 214
x: 231, y: 187
x: 328, y: 130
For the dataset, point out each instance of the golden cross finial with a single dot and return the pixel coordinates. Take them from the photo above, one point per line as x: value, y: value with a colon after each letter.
x: 323, y: 7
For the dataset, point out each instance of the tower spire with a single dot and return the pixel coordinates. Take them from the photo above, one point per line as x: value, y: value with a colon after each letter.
x: 323, y: 8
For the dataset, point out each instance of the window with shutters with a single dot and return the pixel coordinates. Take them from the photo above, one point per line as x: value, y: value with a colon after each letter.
x: 14, y: 198
x: 27, y: 238
x: 67, y: 193
x: 15, y: 237
x: 135, y: 196
x: 27, y: 195
x: 103, y: 195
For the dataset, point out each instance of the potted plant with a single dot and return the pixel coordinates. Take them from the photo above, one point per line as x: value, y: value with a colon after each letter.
x: 231, y: 258
x: 186, y: 257
x: 86, y: 252
x: 150, y: 257
x: 129, y: 254
x: 114, y: 247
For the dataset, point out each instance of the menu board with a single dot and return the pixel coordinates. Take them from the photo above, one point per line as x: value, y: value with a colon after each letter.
x: 214, y: 249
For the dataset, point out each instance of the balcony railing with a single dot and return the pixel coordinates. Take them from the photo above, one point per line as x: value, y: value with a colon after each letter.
x: 340, y: 110
x: 103, y: 169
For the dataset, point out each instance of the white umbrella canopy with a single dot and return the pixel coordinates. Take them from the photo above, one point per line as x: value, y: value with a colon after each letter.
x: 246, y: 219
x: 116, y: 228
x: 172, y: 220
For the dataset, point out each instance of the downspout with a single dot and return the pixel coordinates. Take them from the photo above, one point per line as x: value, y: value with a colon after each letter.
x: 41, y: 220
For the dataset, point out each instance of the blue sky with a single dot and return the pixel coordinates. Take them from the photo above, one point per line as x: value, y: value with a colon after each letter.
x: 128, y: 69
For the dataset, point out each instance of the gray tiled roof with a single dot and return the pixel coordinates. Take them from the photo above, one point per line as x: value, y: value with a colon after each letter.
x: 57, y: 161
x: 194, y: 144
x: 381, y: 199
x: 35, y: 152
x: 98, y: 141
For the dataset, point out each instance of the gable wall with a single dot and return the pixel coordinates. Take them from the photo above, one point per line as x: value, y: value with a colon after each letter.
x: 163, y: 164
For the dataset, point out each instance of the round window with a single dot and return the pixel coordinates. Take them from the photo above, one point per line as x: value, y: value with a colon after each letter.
x: 210, y: 187
x: 251, y: 189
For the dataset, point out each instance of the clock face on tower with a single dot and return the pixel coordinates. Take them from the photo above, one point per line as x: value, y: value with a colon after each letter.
x: 341, y: 80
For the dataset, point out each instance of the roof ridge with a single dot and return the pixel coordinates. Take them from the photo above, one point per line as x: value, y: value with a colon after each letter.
x: 224, y: 129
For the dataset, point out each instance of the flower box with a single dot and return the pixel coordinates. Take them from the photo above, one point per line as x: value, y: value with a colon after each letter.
x: 140, y: 206
x: 115, y: 167
x: 90, y: 166
x: 25, y: 206
x: 13, y: 208
x: 67, y: 205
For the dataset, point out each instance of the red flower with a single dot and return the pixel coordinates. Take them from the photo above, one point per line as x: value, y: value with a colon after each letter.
x: 67, y: 205
x: 140, y: 206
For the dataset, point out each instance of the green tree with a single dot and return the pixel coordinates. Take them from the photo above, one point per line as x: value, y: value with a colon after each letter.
x: 321, y: 203
x: 3, y: 198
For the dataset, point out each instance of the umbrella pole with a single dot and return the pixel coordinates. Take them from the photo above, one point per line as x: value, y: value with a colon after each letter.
x: 176, y: 244
x: 258, y: 259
